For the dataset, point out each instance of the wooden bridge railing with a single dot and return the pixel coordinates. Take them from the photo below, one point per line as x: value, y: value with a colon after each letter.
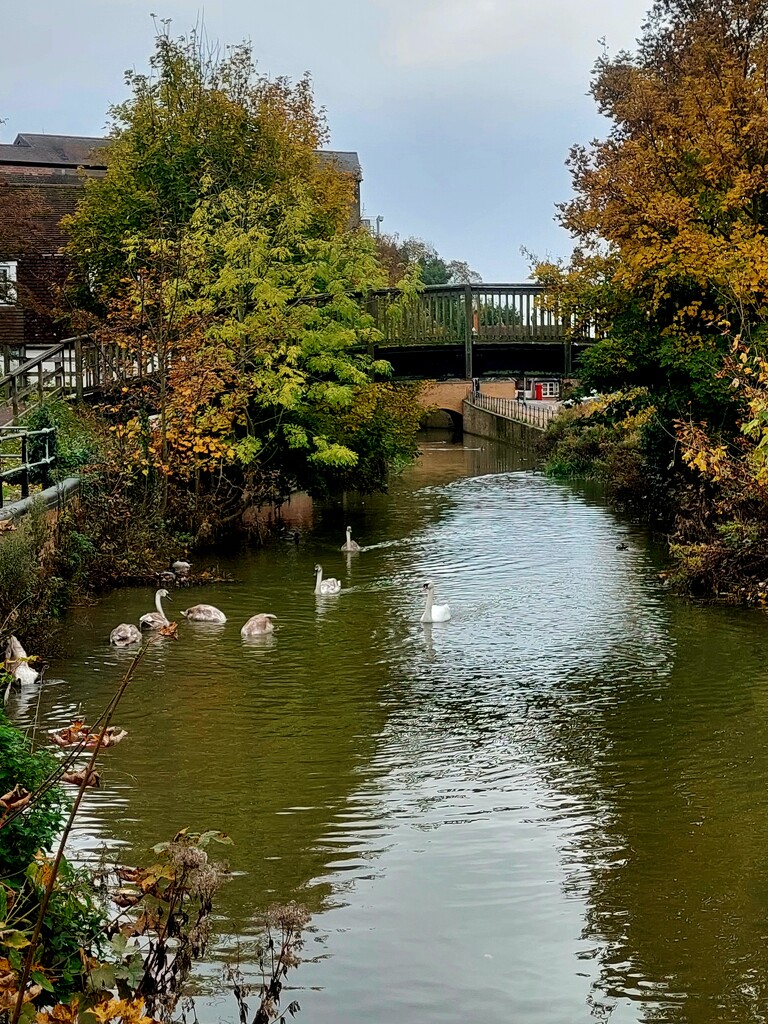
x: 461, y: 317
x: 72, y: 368
x: 470, y: 313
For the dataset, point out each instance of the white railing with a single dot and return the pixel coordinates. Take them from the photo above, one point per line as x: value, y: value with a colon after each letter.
x: 537, y: 415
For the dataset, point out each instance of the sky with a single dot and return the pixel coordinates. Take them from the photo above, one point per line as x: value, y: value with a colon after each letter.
x: 462, y: 111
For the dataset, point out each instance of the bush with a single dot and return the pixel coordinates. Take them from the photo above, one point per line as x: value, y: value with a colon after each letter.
x: 77, y: 441
x: 615, y: 439
x: 36, y: 827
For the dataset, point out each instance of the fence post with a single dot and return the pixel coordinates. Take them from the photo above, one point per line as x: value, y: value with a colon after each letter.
x: 24, y: 467
x: 78, y: 369
x: 468, y: 332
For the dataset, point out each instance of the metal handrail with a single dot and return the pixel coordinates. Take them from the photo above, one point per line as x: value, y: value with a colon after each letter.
x: 539, y: 416
x: 23, y: 436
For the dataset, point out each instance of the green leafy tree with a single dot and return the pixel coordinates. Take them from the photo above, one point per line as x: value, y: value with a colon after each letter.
x: 197, y: 116
x: 217, y: 248
x: 401, y: 256
x: 271, y: 386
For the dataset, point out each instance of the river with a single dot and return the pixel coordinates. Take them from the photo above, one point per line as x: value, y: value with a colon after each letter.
x: 549, y: 810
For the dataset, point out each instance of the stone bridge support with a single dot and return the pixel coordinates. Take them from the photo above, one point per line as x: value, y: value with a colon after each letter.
x: 448, y: 395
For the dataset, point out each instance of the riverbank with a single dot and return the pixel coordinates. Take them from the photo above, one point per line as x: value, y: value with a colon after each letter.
x: 714, y: 523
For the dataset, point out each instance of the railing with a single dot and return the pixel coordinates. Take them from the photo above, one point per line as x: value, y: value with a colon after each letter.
x: 71, y: 368
x: 538, y: 416
x: 15, y: 447
x: 470, y: 314
x: 464, y: 316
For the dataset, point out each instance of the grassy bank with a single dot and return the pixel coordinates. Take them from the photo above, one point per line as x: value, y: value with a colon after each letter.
x: 715, y: 524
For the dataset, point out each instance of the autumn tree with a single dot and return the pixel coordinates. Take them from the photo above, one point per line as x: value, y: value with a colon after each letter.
x: 216, y: 249
x: 670, y: 210
x: 670, y: 217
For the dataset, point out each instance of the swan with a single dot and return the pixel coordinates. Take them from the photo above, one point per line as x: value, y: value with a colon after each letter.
x: 17, y: 664
x: 158, y: 619
x: 204, y: 613
x: 180, y: 567
x: 325, y: 587
x: 350, y: 545
x: 258, y: 625
x: 124, y: 635
x: 434, y: 612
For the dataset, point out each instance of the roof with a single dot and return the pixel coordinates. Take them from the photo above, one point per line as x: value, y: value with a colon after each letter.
x: 349, y: 162
x: 54, y: 151
x: 83, y: 151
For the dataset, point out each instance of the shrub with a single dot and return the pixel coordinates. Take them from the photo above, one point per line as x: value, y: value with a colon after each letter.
x: 77, y: 439
x: 36, y: 827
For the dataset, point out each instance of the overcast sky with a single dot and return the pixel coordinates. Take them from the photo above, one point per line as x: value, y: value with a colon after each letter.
x: 462, y: 111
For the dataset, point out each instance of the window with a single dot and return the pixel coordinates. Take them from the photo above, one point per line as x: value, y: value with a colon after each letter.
x: 550, y: 389
x: 8, y: 284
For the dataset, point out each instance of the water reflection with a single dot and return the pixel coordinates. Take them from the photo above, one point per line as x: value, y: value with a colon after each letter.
x: 548, y: 809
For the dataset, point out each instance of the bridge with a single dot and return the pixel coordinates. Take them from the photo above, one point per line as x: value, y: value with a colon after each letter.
x: 453, y: 332
x: 475, y: 330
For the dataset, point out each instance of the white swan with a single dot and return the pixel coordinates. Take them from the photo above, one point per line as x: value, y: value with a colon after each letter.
x: 17, y: 665
x: 204, y: 613
x: 180, y: 567
x: 258, y: 625
x: 350, y: 545
x: 434, y: 612
x: 158, y: 619
x: 124, y: 635
x: 325, y: 587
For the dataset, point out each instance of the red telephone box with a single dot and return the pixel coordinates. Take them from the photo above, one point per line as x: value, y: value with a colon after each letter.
x: 539, y: 392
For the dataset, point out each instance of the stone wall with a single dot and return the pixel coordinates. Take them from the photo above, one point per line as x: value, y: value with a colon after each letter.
x: 480, y: 423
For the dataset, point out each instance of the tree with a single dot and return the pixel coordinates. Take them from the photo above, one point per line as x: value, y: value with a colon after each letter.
x: 398, y: 257
x: 199, y: 116
x: 670, y: 211
x: 216, y: 245
x: 256, y: 375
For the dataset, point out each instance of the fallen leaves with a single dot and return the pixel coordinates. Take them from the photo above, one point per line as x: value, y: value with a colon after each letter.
x: 80, y: 735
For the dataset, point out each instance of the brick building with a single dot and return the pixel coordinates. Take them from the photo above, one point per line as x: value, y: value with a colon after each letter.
x: 41, y: 178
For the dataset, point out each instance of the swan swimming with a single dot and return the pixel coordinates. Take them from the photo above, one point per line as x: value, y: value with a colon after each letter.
x: 350, y: 545
x: 17, y: 665
x: 204, y: 613
x: 124, y: 635
x: 258, y: 625
x: 325, y: 587
x: 158, y: 619
x: 434, y: 612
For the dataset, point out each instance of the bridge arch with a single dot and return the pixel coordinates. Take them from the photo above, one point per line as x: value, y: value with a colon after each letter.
x: 447, y: 397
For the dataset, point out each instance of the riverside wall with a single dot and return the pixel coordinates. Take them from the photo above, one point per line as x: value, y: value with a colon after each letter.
x: 492, y: 427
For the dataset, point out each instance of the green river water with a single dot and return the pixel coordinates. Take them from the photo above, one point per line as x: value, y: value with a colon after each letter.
x: 550, y: 810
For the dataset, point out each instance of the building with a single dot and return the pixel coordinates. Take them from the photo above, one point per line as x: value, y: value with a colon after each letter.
x: 41, y: 180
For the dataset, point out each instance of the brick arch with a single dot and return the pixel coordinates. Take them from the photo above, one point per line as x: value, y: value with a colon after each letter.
x: 449, y: 395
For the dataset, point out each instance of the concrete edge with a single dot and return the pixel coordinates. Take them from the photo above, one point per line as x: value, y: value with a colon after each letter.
x: 53, y: 497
